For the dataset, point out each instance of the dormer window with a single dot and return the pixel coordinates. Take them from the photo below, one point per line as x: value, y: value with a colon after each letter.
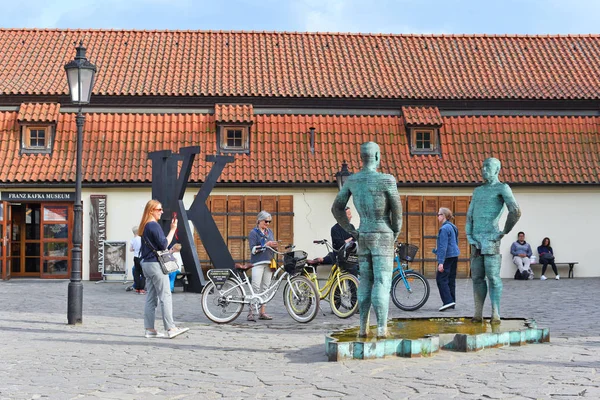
x: 423, y: 129
x: 234, y: 139
x: 233, y: 127
x: 36, y: 139
x: 38, y: 124
x: 423, y: 140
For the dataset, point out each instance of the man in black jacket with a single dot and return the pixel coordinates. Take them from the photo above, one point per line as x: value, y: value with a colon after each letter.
x: 339, y: 237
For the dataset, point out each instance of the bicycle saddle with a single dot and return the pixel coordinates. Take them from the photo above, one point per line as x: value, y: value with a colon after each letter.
x: 244, y: 267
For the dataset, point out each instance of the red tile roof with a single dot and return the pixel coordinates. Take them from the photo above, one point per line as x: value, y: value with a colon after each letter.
x: 420, y: 116
x: 560, y: 150
x: 38, y: 112
x: 259, y: 64
x: 234, y: 112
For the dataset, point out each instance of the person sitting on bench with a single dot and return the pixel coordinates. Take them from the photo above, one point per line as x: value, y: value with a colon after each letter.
x: 547, y: 257
x: 521, y: 251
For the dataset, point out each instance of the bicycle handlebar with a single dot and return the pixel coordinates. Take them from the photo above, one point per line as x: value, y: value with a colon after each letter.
x: 291, y: 246
x: 323, y: 241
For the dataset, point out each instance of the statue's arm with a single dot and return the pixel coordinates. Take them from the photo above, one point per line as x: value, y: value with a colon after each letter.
x: 514, y: 212
x: 337, y: 209
x: 395, y: 207
x: 469, y: 224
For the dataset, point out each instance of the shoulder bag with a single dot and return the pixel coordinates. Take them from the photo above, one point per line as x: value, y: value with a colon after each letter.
x: 166, y: 259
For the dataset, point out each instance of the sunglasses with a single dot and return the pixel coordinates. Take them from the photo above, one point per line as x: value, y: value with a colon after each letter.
x: 158, y: 209
x: 440, y: 214
x: 267, y: 221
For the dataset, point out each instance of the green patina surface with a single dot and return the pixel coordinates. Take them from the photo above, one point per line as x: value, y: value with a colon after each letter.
x: 375, y: 196
x: 484, y: 236
x: 419, y: 337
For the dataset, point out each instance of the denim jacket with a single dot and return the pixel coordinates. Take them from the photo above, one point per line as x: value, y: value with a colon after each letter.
x: 447, y: 242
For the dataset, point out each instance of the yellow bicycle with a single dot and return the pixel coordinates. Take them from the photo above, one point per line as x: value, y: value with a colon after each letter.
x: 340, y: 289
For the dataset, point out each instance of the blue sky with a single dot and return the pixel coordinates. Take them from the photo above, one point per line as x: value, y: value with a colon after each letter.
x: 376, y: 16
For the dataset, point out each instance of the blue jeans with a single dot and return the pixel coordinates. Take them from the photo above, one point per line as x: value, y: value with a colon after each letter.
x: 446, y: 281
x: 139, y: 281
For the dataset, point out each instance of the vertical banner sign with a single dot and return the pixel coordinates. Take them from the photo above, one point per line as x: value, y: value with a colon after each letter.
x: 97, y: 235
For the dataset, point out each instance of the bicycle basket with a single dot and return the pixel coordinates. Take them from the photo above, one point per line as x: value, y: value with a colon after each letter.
x: 407, y: 252
x: 347, y: 256
x: 294, y: 261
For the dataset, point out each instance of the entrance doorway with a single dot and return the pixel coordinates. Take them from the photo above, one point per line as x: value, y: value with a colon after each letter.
x: 5, y: 228
x: 39, y: 239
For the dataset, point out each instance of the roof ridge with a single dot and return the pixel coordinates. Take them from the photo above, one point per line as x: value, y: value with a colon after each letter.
x: 317, y: 33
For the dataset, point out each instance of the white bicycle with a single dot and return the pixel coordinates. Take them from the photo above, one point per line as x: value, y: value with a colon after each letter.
x: 223, y: 298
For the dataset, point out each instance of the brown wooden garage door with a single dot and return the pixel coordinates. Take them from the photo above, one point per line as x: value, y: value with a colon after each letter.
x: 420, y: 227
x: 235, y: 217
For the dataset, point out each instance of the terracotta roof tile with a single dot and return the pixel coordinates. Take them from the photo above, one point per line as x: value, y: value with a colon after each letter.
x: 420, y: 116
x: 38, y: 112
x: 234, y: 113
x: 207, y: 63
x: 559, y: 150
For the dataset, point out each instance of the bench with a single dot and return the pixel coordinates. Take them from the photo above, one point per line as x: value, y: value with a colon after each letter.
x: 181, y: 279
x: 571, y: 264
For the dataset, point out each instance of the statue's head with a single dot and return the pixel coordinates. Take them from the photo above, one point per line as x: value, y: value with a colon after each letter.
x: 370, y: 154
x: 491, y: 169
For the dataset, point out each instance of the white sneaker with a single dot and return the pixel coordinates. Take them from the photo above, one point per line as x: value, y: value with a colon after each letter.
x: 543, y: 278
x: 557, y: 277
x: 176, y: 332
x: 446, y: 306
x: 153, y: 334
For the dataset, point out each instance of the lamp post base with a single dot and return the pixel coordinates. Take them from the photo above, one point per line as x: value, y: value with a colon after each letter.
x: 74, y: 303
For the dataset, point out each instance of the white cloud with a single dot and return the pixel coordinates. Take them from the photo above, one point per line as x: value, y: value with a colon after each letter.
x: 375, y: 16
x: 321, y: 16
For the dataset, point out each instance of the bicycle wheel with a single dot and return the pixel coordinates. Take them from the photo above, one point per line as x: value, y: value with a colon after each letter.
x: 413, y: 297
x: 301, y: 299
x: 344, y: 296
x: 217, y: 304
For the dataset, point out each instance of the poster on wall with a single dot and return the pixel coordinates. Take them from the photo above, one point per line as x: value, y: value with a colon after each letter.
x: 115, y: 257
x: 97, y: 234
x: 55, y: 213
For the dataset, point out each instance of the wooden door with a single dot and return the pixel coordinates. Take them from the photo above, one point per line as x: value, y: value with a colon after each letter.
x: 421, y: 227
x: 5, y: 228
x: 235, y: 217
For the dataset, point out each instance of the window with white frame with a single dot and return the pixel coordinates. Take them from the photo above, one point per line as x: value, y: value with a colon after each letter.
x: 424, y: 141
x: 234, y: 139
x: 36, y: 139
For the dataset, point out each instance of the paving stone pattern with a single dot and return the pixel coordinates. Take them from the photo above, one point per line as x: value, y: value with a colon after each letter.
x: 107, y: 356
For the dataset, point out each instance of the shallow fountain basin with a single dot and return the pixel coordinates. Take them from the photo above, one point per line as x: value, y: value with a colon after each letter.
x: 421, y: 337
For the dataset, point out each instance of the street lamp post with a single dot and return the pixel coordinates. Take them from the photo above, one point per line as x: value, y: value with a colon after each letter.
x: 80, y: 76
x: 342, y: 175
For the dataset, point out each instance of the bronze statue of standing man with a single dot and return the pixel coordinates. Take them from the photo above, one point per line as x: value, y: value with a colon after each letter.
x: 484, y: 236
x: 376, y: 199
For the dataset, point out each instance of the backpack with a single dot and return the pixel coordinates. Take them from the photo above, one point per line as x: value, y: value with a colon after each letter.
x: 521, y: 276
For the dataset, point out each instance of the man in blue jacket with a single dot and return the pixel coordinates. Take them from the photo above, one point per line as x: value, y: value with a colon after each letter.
x: 521, y: 252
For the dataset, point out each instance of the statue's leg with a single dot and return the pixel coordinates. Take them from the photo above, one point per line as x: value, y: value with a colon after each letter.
x: 479, y: 284
x: 364, y: 292
x: 382, y: 281
x: 492, y: 271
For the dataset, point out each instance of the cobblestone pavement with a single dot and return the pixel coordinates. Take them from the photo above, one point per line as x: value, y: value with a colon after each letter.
x: 108, y: 357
